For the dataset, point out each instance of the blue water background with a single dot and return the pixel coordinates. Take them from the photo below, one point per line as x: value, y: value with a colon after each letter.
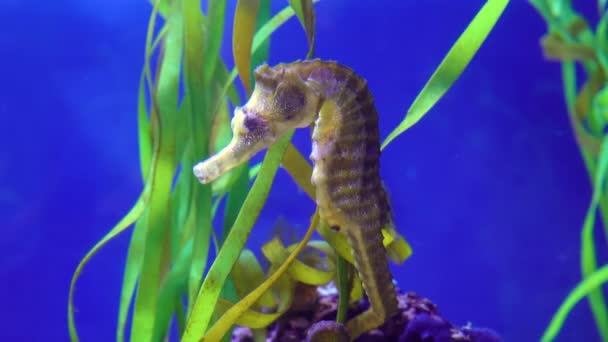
x: 489, y: 188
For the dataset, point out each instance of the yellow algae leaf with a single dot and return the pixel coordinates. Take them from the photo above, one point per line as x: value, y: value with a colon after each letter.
x: 231, y: 315
x: 242, y: 37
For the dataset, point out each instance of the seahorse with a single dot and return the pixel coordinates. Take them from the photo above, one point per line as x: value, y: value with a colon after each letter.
x: 350, y: 194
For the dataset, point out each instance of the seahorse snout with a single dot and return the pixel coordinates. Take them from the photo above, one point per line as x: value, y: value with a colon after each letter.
x: 251, y: 134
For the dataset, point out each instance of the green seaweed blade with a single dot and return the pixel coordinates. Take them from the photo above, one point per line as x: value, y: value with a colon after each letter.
x: 121, y: 226
x: 591, y: 283
x: 305, y: 12
x: 198, y: 97
x: 588, y: 254
x: 588, y: 261
x: 235, y: 241
x: 165, y: 102
x: 452, y: 65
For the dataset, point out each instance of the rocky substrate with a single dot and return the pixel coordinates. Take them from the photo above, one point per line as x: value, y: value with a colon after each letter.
x: 418, y: 320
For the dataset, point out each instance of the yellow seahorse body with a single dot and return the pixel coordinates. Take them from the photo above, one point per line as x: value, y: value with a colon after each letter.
x: 345, y: 153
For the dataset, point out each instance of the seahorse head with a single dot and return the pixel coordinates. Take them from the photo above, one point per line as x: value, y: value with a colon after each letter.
x: 281, y: 101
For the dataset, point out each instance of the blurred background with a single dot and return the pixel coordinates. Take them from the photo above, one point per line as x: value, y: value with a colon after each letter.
x: 489, y: 188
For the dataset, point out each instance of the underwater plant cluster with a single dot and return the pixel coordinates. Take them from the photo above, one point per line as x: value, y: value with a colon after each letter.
x: 183, y: 117
x: 498, y: 188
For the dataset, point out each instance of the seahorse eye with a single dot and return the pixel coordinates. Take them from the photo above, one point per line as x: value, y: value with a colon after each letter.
x: 289, y: 101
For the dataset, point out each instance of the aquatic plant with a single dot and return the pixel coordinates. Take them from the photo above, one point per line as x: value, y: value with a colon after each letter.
x: 571, y: 40
x: 183, y: 117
